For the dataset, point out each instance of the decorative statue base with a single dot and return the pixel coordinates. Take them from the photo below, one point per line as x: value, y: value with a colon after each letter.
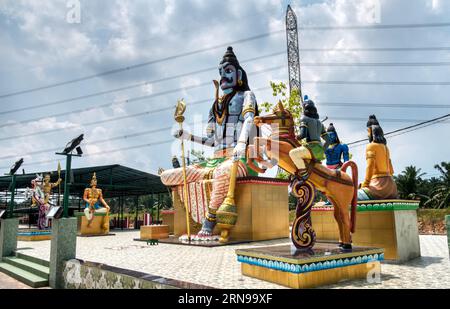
x: 34, y: 235
x: 388, y: 224
x: 98, y: 226
x: 150, y: 232
x: 262, y: 213
x: 324, y: 264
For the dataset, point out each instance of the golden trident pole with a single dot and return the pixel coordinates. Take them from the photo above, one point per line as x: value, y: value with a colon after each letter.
x: 179, y: 111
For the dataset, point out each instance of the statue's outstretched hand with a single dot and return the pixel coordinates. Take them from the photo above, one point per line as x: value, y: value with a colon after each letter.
x: 181, y: 134
x: 239, y: 150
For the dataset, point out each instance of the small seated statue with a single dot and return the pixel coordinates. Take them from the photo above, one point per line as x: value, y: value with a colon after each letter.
x: 92, y: 196
x: 378, y: 183
x: 336, y: 151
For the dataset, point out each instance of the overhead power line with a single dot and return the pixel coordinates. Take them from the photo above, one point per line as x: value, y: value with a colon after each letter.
x: 130, y: 100
x: 376, y: 49
x: 385, y: 105
x: 140, y: 65
x: 252, y: 38
x: 376, y: 26
x: 137, y: 85
x: 102, y: 152
x: 417, y: 125
x: 388, y: 135
x: 375, y: 64
x: 375, y: 83
x: 112, y: 119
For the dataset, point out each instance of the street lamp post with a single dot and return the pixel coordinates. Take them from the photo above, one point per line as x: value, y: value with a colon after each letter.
x: 70, y: 147
x: 12, y: 186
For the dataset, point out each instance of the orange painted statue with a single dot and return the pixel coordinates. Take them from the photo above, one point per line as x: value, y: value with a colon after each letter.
x: 338, y: 186
x: 378, y: 183
x: 92, y: 196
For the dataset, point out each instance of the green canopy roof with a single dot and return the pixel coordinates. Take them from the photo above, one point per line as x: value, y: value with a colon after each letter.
x: 115, y: 180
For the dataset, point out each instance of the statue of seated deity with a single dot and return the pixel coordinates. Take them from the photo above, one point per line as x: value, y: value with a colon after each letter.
x: 92, y: 196
x: 229, y: 127
x: 378, y: 183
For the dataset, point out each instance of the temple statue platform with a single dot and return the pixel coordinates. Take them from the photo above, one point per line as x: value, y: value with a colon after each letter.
x: 98, y: 227
x: 262, y: 208
x: 324, y: 264
x: 388, y: 224
x: 34, y: 235
x: 151, y: 232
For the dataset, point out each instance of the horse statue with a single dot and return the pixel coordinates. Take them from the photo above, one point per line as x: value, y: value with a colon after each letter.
x: 339, y: 187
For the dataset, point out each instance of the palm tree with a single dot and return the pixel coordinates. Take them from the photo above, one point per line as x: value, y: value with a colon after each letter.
x: 408, y: 182
x: 440, y: 195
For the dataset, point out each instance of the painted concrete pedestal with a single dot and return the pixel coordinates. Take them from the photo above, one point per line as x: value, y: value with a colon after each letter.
x: 149, y: 232
x: 262, y: 209
x: 98, y: 227
x: 324, y: 264
x: 390, y: 224
x: 34, y: 235
x: 8, y: 236
x: 63, y: 248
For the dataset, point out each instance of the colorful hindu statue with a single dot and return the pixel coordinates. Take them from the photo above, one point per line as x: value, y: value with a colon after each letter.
x: 38, y: 200
x: 336, y: 151
x: 47, y: 187
x: 92, y: 196
x: 230, y: 122
x: 378, y: 183
x: 312, y: 131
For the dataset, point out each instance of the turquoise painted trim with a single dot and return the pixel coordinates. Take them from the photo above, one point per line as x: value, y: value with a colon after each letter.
x: 34, y: 233
x: 380, y: 207
x: 305, y: 268
x: 81, y: 214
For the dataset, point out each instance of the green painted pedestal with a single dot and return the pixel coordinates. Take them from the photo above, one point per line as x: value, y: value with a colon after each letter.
x: 8, y: 236
x: 63, y: 248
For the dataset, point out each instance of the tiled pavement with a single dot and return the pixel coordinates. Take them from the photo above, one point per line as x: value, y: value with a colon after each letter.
x: 7, y: 282
x: 218, y: 267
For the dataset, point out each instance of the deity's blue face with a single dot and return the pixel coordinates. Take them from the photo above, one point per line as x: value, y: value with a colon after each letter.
x: 229, y: 76
x: 333, y: 137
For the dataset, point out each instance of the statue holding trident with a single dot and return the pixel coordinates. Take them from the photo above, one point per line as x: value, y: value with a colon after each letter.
x: 230, y: 125
x: 179, y: 111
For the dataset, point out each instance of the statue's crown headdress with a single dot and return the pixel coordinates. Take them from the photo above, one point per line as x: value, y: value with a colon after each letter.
x: 230, y: 57
x: 94, y: 177
x: 373, y: 121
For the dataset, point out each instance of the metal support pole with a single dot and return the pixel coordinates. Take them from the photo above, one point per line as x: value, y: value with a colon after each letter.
x: 67, y: 185
x: 159, y: 205
x: 11, y: 202
x: 136, y: 226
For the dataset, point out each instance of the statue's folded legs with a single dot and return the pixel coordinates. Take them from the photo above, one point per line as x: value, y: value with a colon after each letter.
x: 220, y: 177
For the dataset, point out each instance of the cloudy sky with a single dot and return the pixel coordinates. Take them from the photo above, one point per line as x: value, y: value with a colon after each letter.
x: 42, y: 44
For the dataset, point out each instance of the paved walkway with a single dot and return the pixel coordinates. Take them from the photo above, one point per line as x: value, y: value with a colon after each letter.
x: 218, y: 267
x: 6, y: 282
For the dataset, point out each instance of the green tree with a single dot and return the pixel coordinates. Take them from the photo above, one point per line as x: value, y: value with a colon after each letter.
x: 290, y: 101
x: 409, y: 181
x: 199, y: 157
x: 440, y: 194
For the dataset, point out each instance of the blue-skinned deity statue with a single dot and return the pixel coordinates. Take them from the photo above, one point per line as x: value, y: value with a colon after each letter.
x: 336, y: 151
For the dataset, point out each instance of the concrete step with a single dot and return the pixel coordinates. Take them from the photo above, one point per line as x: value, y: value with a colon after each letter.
x: 23, y: 275
x: 33, y: 259
x: 34, y: 268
